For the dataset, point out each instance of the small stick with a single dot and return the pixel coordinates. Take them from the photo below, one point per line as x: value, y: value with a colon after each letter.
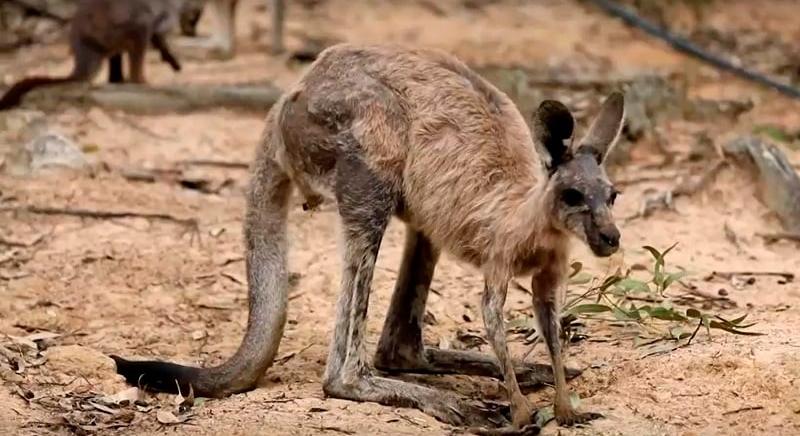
x: 99, y: 214
x: 215, y: 163
x: 729, y: 274
x: 743, y: 409
x: 20, y: 244
x: 289, y: 356
x: 772, y: 237
x: 705, y: 295
x: 190, y: 224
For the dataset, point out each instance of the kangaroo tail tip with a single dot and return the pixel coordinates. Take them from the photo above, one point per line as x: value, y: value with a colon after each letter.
x: 157, y: 376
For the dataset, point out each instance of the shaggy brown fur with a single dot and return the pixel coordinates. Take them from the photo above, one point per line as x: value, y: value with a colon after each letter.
x: 104, y: 29
x: 388, y: 131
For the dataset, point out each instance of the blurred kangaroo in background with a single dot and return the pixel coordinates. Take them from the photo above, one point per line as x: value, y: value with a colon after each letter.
x: 222, y: 42
x: 387, y: 131
x: 105, y: 29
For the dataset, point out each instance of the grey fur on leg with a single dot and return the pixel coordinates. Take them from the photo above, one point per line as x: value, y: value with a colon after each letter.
x: 400, y: 346
x: 365, y: 206
x: 400, y: 349
x: 546, y: 309
x: 494, y: 298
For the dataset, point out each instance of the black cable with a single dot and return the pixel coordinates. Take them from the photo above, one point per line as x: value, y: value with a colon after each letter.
x: 682, y: 44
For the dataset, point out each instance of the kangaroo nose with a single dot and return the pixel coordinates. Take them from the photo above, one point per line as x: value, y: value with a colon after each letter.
x: 610, y: 237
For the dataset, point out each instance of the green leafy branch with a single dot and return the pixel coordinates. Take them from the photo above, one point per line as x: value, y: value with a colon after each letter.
x: 640, y: 302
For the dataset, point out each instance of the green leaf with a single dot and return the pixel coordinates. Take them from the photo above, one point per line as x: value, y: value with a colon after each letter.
x: 521, y: 322
x: 632, y: 285
x: 729, y: 329
x: 673, y: 277
x: 580, y: 279
x: 664, y: 253
x: 610, y: 281
x: 626, y: 315
x: 589, y: 308
x: 773, y: 132
x: 657, y: 256
x: 574, y: 400
x: 733, y: 321
x: 736, y: 323
x: 665, y: 314
x: 678, y: 333
x: 544, y: 415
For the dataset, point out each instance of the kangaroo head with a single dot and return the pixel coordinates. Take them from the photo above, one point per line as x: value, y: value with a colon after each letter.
x: 582, y: 195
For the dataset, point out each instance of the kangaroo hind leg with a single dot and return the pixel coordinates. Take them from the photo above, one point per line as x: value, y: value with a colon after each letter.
x: 366, y: 204
x: 400, y: 348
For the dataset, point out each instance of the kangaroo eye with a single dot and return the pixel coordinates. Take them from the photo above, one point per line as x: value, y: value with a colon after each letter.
x: 572, y: 197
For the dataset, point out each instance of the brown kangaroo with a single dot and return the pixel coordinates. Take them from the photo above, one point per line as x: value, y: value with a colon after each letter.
x: 387, y: 131
x: 104, y: 29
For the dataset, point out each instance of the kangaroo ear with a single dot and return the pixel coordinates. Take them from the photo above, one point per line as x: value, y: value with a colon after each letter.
x: 606, y: 128
x: 552, y: 125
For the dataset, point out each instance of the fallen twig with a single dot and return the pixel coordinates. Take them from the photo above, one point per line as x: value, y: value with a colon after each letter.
x: 336, y: 429
x: 774, y: 237
x: 743, y: 409
x: 215, y: 163
x: 289, y: 356
x: 21, y: 244
x: 102, y: 214
x: 149, y: 176
x: 159, y: 99
x: 730, y: 274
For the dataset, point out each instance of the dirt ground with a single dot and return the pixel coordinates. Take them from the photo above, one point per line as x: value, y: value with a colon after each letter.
x: 143, y: 288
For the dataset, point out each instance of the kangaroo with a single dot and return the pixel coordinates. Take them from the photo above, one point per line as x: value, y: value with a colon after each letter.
x: 222, y: 43
x: 383, y: 131
x: 104, y: 29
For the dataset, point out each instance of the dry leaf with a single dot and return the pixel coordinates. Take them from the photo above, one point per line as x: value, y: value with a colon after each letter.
x: 30, y: 340
x: 237, y: 278
x: 185, y: 403
x: 103, y: 408
x: 121, y: 398
x: 168, y: 418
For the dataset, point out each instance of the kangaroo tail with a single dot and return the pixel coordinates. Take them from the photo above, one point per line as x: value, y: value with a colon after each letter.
x: 14, y: 95
x: 266, y: 248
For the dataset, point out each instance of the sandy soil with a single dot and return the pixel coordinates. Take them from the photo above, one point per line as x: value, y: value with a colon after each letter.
x: 138, y: 287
